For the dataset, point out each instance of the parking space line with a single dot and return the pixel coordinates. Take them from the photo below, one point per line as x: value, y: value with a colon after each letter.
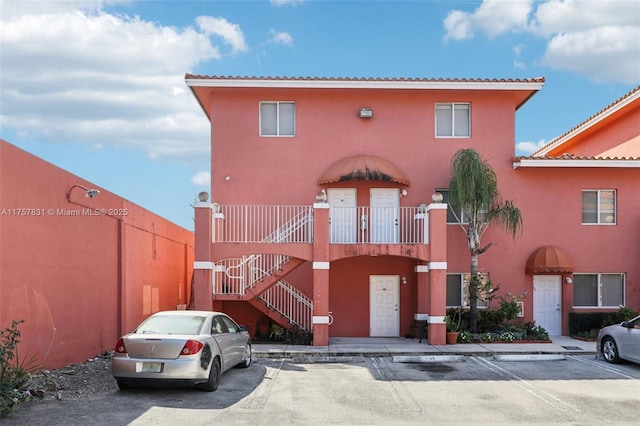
x: 259, y: 398
x: 527, y: 386
x: 401, y: 395
x: 601, y: 366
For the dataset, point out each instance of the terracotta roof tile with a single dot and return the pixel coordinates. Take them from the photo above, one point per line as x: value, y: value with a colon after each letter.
x: 365, y: 79
x: 566, y: 157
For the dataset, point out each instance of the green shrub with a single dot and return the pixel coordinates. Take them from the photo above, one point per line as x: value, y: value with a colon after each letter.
x: 14, y: 374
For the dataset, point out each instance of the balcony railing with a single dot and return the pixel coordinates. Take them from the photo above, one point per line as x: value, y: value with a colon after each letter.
x: 377, y: 225
x: 264, y: 224
x: 294, y: 224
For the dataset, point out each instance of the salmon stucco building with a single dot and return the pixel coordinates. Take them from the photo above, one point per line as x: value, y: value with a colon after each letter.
x: 328, y: 208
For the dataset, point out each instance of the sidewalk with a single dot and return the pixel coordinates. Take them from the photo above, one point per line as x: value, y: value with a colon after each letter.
x: 398, y: 346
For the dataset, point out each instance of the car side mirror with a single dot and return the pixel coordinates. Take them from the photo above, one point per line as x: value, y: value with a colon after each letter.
x: 242, y: 328
x: 626, y: 324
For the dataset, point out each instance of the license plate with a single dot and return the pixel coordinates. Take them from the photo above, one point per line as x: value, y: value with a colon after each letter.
x: 151, y: 367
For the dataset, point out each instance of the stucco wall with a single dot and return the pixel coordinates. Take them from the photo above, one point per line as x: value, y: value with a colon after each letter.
x: 80, y: 271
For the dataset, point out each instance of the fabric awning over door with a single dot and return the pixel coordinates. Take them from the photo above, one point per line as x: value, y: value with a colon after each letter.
x: 363, y: 167
x: 549, y: 260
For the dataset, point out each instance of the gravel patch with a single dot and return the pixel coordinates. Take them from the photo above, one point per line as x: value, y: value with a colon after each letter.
x: 84, y: 381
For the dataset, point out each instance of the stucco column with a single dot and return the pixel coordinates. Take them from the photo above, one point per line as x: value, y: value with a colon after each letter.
x: 202, y: 265
x: 422, y: 272
x: 437, y: 266
x: 321, y: 266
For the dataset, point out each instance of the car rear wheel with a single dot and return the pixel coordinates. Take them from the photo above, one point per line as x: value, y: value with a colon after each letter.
x: 246, y: 357
x: 214, y: 377
x: 610, y: 350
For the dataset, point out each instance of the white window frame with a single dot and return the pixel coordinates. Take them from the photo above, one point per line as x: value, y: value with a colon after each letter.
x: 599, y: 286
x: 278, y: 133
x: 599, y: 212
x: 464, y: 290
x: 459, y: 213
x: 452, y: 108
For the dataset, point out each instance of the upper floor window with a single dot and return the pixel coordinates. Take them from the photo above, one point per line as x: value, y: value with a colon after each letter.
x: 599, y: 207
x: 454, y: 213
x: 598, y: 290
x: 277, y: 118
x: 453, y: 120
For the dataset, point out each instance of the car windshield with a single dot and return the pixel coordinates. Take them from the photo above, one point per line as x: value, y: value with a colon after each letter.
x: 171, y: 324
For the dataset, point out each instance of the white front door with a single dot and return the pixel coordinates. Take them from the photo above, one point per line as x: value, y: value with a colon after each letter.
x: 384, y: 315
x: 384, y: 215
x: 342, y: 215
x: 546, y: 303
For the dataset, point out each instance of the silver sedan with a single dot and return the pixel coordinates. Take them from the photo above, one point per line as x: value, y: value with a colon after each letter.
x: 181, y: 348
x: 620, y: 341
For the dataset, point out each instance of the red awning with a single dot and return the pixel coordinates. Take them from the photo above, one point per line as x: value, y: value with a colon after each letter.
x: 363, y: 167
x: 549, y: 260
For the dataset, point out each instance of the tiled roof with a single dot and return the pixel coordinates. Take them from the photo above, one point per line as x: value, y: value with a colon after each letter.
x: 370, y: 79
x: 603, y: 112
x: 574, y: 161
x: 566, y: 157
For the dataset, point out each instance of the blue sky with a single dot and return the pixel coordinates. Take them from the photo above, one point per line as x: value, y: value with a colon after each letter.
x: 97, y: 87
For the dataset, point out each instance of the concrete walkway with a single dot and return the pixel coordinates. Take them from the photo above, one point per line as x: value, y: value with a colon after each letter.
x: 397, y: 346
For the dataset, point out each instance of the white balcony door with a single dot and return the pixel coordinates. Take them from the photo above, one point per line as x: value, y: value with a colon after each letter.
x: 384, y: 215
x: 343, y: 215
x: 384, y: 315
x: 546, y: 303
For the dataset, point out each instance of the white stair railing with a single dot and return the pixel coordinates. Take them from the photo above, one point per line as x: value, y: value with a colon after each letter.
x: 290, y: 303
x: 246, y: 272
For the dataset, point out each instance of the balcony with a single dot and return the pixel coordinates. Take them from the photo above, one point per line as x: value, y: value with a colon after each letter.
x: 252, y: 224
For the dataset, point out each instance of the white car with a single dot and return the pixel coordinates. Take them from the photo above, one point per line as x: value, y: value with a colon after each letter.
x: 620, y: 341
x: 181, y: 348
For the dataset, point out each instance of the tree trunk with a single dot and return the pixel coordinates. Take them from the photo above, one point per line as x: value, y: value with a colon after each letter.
x: 474, y: 284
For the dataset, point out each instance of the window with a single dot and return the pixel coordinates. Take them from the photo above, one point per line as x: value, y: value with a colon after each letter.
x: 598, y: 290
x: 454, y: 213
x: 458, y: 290
x: 599, y: 207
x: 453, y: 120
x: 277, y: 118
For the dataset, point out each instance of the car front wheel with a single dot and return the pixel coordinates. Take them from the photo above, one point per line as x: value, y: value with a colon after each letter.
x: 610, y: 350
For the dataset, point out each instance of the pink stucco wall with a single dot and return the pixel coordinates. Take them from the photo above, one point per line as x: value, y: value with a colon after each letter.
x: 78, y: 279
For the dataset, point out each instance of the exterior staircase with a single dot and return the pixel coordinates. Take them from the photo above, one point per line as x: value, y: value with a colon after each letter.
x: 258, y: 279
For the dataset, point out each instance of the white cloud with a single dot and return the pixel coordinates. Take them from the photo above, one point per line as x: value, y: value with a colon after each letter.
x: 87, y: 76
x: 597, y: 39
x: 230, y: 33
x: 528, y: 147
x: 201, y: 179
x: 605, y: 54
x: 279, y: 37
x: 492, y: 17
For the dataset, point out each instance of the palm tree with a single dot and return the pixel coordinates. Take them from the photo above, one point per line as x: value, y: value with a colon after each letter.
x: 473, y: 188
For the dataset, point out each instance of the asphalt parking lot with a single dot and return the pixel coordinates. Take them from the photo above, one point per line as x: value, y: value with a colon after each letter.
x: 373, y: 391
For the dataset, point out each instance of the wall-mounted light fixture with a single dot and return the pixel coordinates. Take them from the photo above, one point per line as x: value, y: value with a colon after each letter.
x: 90, y: 193
x: 227, y: 178
x: 404, y: 280
x: 568, y: 280
x: 403, y: 193
x: 365, y: 113
x: 321, y: 197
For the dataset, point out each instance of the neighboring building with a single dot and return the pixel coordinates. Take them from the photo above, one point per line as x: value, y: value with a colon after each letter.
x: 79, y: 264
x: 325, y: 212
